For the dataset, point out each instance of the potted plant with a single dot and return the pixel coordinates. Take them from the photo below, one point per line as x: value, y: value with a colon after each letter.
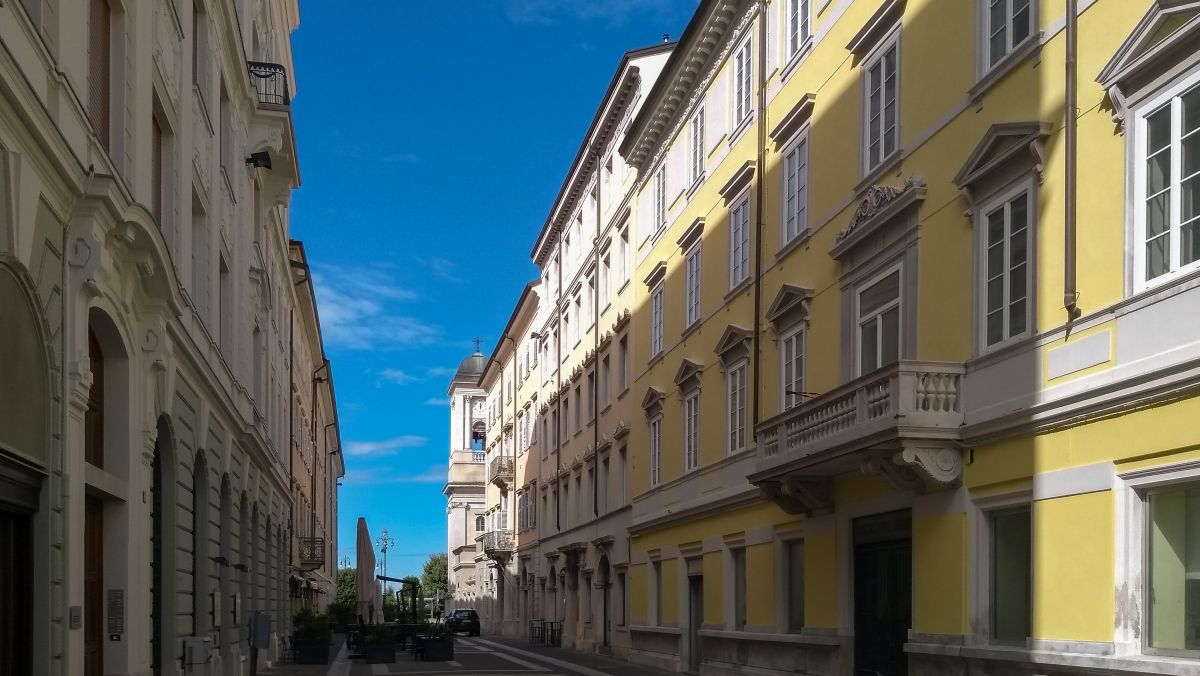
x: 379, y: 646
x: 310, y: 638
x: 438, y: 644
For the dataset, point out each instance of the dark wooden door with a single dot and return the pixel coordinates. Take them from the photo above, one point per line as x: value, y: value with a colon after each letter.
x: 16, y: 594
x: 882, y: 607
x: 93, y: 588
x: 695, y: 621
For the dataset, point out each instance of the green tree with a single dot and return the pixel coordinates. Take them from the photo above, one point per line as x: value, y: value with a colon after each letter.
x: 347, y: 592
x: 434, y: 576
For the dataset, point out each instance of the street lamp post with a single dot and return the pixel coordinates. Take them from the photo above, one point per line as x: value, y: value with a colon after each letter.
x: 384, y: 543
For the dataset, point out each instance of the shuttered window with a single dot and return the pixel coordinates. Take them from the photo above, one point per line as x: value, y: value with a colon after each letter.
x: 100, y: 68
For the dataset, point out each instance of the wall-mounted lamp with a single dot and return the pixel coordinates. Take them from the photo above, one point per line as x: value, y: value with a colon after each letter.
x: 259, y: 160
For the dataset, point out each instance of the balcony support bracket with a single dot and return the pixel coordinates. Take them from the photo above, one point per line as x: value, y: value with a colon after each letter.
x: 798, y: 495
x: 917, y: 468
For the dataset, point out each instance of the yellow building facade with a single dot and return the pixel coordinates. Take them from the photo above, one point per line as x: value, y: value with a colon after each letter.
x: 917, y: 373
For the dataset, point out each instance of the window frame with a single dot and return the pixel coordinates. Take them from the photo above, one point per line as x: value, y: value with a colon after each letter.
x: 874, y: 57
x: 655, y: 429
x: 742, y: 91
x: 739, y: 265
x: 731, y: 375
x: 985, y: 33
x: 798, y: 334
x: 783, y: 545
x: 801, y: 140
x: 1169, y: 95
x: 693, y: 279
x: 982, y: 511
x: 861, y: 287
x: 793, y: 46
x: 659, y: 195
x: 696, y: 153
x: 1001, y: 199
x: 691, y: 431
x: 657, y: 320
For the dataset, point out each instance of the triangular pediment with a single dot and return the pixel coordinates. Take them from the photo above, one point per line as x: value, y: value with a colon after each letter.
x: 734, y: 337
x: 791, y: 299
x: 654, y: 397
x: 1001, y: 143
x: 688, y: 373
x: 1167, y: 25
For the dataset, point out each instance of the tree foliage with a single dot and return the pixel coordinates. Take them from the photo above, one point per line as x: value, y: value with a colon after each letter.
x: 347, y: 587
x: 434, y: 576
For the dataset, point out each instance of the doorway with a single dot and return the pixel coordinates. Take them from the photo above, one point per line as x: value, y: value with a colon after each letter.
x: 882, y: 593
x: 695, y: 621
x: 93, y: 587
x: 16, y: 594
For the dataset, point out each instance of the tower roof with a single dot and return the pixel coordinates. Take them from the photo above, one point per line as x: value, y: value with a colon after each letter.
x: 471, y: 368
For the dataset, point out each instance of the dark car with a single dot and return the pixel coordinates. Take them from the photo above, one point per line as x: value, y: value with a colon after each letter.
x: 464, y: 619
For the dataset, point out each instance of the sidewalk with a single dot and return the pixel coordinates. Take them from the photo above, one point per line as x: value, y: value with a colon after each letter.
x: 575, y: 661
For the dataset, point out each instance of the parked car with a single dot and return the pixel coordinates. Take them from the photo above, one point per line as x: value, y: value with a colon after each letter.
x: 464, y: 619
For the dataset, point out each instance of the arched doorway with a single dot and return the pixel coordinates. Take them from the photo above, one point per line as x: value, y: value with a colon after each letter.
x: 25, y: 441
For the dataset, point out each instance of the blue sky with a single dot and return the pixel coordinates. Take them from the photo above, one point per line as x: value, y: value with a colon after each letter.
x: 433, y: 138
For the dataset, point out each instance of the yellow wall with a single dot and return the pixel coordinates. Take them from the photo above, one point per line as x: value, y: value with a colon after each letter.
x: 1073, y: 553
x: 940, y: 575
x: 820, y: 582
x: 714, y: 587
x: 761, y: 591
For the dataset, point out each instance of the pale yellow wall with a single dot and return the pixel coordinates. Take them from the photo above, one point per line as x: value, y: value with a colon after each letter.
x: 715, y: 572
x: 762, y: 592
x: 940, y: 574
x: 820, y: 581
x: 1073, y: 554
x: 670, y: 610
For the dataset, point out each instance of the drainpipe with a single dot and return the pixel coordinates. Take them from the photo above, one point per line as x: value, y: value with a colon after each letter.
x: 558, y: 422
x: 761, y: 122
x: 1070, y: 293
x: 596, y: 352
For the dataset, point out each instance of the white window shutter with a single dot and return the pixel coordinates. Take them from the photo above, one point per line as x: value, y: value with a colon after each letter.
x: 716, y: 111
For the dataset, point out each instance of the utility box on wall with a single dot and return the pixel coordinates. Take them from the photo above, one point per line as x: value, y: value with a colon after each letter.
x: 196, y: 655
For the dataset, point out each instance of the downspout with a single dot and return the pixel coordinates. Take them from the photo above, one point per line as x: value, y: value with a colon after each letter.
x: 558, y: 421
x: 760, y: 122
x: 1070, y: 293
x: 596, y: 352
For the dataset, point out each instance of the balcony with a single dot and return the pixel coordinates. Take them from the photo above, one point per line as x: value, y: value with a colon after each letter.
x: 501, y: 472
x: 271, y: 83
x: 312, y: 553
x: 466, y: 469
x: 498, y: 544
x: 901, y: 422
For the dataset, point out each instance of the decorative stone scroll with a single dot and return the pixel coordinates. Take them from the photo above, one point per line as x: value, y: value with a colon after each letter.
x: 796, y: 495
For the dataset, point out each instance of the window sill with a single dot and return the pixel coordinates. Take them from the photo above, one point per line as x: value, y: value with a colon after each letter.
x: 801, y: 637
x: 624, y: 285
x: 695, y: 186
x: 1031, y: 47
x: 654, y: 360
x: 649, y: 629
x: 796, y: 59
x: 740, y: 129
x: 691, y: 329
x: 796, y: 242
x: 890, y: 163
x: 737, y: 289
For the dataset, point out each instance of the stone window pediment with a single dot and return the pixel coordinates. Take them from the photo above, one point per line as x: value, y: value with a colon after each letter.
x: 687, y: 378
x: 878, y: 27
x: 656, y: 275
x: 692, y: 234
x: 1166, y: 36
x: 1005, y: 151
x: 790, y: 306
x: 734, y: 344
x: 879, y: 205
x: 791, y: 123
x: 740, y: 179
x: 652, y: 403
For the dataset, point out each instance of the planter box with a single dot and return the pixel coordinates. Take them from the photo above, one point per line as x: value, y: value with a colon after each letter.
x: 437, y: 650
x: 311, y: 653
x: 380, y: 653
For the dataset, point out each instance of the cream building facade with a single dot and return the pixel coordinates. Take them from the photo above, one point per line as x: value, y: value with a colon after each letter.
x: 160, y: 341
x: 464, y: 489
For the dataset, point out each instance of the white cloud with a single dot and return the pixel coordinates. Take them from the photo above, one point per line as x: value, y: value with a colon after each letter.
x: 436, y: 474
x: 437, y: 401
x: 358, y: 313
x: 440, y: 371
x: 384, y: 447
x: 398, y: 377
x: 401, y: 158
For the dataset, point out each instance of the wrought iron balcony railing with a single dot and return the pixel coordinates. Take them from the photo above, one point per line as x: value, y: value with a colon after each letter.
x: 271, y: 83
x: 312, y: 552
x: 498, y: 544
x: 502, y: 471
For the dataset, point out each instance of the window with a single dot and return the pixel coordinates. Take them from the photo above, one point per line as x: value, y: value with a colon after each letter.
x: 1169, y: 223
x: 576, y: 332
x: 566, y: 417
x: 225, y: 310
x: 791, y: 368
x: 798, y: 25
x: 1007, y: 24
x: 157, y: 164
x: 691, y: 310
x: 100, y: 69
x: 655, y: 450
x: 589, y: 298
x: 739, y: 243
x: 879, y: 323
x: 621, y: 467
x: 578, y: 409
x: 1173, y: 567
x: 795, y: 190
x: 1006, y: 270
x: 591, y: 394
x: 1011, y: 564
x: 623, y: 255
x: 200, y: 268
x: 696, y: 145
x: 605, y: 280
x: 605, y: 379
x: 621, y: 617
x: 881, y: 90
x: 742, y: 85
x: 602, y: 488
x: 200, y: 50
x: 479, y: 524
x: 93, y: 419
x: 623, y: 364
x: 735, y: 392
x: 656, y: 321
x: 738, y: 560
x: 477, y: 436
x: 794, y: 569
x: 691, y: 431
x: 660, y: 199
x: 656, y: 582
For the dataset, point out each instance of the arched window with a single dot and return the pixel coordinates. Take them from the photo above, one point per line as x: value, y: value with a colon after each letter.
x: 477, y: 432
x: 479, y: 524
